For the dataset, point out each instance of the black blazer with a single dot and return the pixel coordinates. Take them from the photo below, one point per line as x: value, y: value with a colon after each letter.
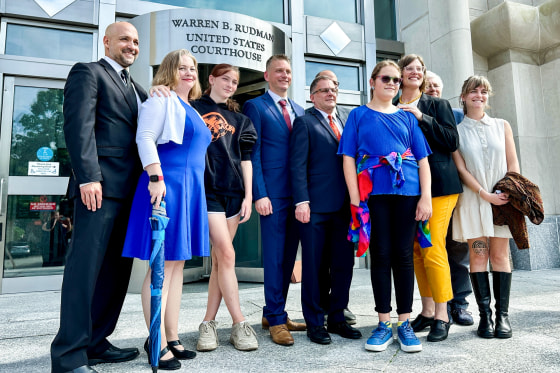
x: 100, y: 123
x: 315, y: 168
x: 438, y: 125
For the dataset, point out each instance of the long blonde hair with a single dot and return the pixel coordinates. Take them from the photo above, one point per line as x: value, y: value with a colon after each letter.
x: 168, y: 72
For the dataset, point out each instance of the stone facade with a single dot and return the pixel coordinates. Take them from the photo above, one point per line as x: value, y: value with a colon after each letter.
x: 517, y: 46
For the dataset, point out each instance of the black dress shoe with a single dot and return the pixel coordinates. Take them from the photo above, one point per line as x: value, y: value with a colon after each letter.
x: 168, y: 364
x: 344, y: 330
x: 318, y: 334
x: 421, y: 322
x: 438, y: 331
x: 462, y: 316
x: 82, y: 369
x: 114, y: 355
x: 180, y: 354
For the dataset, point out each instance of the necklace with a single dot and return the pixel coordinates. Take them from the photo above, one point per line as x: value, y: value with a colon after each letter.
x: 411, y: 101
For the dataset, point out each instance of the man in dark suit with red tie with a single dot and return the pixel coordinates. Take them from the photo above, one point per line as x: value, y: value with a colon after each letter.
x: 323, y: 212
x: 273, y: 114
x: 101, y: 104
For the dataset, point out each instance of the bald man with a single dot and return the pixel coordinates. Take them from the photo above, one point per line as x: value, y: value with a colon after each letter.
x: 101, y: 103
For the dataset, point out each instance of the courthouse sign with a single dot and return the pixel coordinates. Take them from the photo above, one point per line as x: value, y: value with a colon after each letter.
x: 212, y: 36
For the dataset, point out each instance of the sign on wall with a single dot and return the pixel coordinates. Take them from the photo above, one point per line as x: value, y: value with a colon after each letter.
x: 212, y: 37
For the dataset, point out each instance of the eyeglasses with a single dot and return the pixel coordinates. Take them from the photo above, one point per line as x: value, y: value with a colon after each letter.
x: 418, y: 69
x: 436, y: 86
x: 326, y: 90
x: 336, y: 83
x: 386, y: 79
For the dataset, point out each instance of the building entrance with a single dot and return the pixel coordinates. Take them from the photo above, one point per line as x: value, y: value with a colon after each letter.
x: 35, y: 218
x: 248, y: 258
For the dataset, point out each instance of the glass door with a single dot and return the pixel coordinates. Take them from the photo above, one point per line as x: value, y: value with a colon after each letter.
x: 35, y: 218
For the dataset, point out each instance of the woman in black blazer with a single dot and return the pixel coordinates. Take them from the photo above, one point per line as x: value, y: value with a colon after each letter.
x: 435, y: 118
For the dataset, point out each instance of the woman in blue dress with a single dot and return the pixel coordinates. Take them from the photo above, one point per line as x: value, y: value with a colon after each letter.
x: 172, y: 140
x: 386, y: 170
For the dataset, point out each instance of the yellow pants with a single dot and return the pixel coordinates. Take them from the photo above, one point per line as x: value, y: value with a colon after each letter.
x: 431, y: 265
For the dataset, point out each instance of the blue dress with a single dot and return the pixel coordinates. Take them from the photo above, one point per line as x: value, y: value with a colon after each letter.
x: 186, y: 234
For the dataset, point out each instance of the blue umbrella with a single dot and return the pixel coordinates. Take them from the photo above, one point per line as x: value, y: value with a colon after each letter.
x: 158, y: 222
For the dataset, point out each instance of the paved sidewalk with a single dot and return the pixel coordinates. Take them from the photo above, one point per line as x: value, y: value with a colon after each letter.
x: 28, y: 323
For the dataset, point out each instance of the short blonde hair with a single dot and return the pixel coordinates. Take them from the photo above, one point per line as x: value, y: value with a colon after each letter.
x: 471, y: 83
x: 168, y: 72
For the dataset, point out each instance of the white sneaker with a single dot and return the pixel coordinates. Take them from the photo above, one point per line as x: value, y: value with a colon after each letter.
x: 208, y: 337
x: 243, y: 337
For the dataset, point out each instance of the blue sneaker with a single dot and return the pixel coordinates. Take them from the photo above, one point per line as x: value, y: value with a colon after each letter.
x: 407, y: 338
x: 381, y: 337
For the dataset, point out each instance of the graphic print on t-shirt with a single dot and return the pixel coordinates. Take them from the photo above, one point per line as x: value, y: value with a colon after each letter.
x: 218, y: 125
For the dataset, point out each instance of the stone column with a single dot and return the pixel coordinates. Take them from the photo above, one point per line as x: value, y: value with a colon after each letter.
x: 439, y: 31
x: 521, y: 44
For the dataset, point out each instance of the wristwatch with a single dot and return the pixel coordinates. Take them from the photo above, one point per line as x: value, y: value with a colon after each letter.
x: 156, y: 178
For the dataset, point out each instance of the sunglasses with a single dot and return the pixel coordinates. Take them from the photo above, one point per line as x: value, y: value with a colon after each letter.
x: 386, y: 79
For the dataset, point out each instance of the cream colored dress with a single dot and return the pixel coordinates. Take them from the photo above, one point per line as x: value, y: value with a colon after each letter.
x: 482, y: 145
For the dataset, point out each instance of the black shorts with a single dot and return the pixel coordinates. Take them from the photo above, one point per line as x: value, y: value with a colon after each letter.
x: 218, y: 204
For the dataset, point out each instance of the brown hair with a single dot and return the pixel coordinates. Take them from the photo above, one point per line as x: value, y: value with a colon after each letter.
x: 378, y: 68
x: 277, y: 57
x: 407, y: 60
x: 471, y: 83
x: 316, y: 81
x: 220, y: 70
x: 168, y: 72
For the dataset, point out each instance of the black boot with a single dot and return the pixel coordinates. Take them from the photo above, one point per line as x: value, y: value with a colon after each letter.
x: 481, y: 289
x: 502, y: 286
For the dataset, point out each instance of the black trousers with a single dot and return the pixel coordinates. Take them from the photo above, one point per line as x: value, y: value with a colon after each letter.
x: 327, y: 266
x: 95, y: 281
x: 393, y: 229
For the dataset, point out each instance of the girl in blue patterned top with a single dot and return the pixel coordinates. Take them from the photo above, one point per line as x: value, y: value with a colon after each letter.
x: 396, y: 185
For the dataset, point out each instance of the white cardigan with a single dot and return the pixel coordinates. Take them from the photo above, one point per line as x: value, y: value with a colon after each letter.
x: 161, y: 119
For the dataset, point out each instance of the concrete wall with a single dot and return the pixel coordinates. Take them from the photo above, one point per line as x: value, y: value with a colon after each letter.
x: 439, y: 31
x: 517, y: 45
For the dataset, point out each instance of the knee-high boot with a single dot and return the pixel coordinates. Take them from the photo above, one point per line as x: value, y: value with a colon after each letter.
x: 481, y: 289
x: 502, y: 286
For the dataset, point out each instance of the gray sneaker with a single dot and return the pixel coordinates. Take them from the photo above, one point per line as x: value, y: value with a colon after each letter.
x: 243, y: 337
x: 208, y: 338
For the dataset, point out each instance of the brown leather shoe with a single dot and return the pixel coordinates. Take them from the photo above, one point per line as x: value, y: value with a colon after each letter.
x: 280, y: 335
x: 292, y: 325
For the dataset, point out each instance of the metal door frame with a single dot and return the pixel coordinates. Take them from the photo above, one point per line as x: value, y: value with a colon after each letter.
x: 22, y: 185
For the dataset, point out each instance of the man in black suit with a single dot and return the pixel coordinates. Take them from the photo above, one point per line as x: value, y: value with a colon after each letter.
x: 100, y: 118
x: 342, y: 113
x: 323, y: 213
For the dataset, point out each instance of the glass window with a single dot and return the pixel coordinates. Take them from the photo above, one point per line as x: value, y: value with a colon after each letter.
x: 37, y: 132
x: 348, y: 76
x: 385, y: 19
x: 268, y: 10
x: 332, y: 9
x: 32, y: 41
x: 38, y: 233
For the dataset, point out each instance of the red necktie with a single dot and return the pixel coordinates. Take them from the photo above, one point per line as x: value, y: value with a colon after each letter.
x: 334, y: 127
x: 285, y: 114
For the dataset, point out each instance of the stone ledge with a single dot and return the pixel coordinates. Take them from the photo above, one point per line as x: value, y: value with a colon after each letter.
x: 545, y: 246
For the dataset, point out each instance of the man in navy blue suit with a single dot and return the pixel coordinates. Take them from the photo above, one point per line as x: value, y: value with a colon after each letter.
x: 323, y: 213
x: 273, y: 114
